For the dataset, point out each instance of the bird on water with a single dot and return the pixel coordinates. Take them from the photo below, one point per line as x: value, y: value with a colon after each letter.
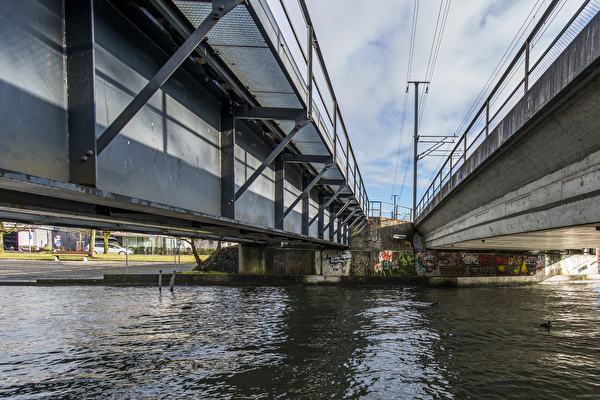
x: 546, y: 325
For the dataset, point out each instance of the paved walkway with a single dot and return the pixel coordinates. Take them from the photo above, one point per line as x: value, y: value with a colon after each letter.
x: 30, y: 270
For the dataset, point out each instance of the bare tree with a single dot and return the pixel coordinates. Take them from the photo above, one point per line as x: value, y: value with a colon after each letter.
x: 10, y: 227
x: 192, y: 242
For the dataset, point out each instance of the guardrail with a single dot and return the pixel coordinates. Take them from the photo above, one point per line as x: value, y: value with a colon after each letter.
x: 388, y: 210
x: 321, y: 100
x: 510, y: 88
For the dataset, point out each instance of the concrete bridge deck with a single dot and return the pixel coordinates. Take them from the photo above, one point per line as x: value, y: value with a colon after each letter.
x: 534, y: 182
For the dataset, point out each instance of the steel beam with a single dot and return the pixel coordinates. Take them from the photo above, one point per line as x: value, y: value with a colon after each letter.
x: 279, y: 191
x: 333, y: 182
x: 269, y: 113
x: 307, y: 158
x: 220, y: 8
x: 282, y: 145
x: 227, y: 162
x: 79, y: 38
x: 307, y: 189
x: 320, y: 215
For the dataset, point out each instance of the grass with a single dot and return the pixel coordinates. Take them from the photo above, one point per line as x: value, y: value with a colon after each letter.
x: 203, y: 273
x: 101, y: 257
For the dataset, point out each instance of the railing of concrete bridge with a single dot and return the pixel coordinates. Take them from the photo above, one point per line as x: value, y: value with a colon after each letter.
x: 530, y: 62
x: 323, y: 106
x: 380, y: 209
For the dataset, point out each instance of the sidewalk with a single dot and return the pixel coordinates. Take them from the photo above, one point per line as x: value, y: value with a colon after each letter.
x: 31, y: 270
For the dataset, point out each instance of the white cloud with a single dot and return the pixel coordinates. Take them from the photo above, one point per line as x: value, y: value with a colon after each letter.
x: 366, y: 47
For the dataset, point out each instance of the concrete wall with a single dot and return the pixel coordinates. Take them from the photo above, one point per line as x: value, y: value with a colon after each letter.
x: 478, y: 264
x: 540, y: 160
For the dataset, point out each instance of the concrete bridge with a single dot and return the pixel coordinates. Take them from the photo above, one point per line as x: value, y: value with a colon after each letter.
x: 189, y: 118
x: 533, y: 181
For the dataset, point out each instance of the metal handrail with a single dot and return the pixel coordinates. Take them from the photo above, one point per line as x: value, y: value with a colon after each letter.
x: 383, y: 209
x: 466, y: 142
x: 325, y: 95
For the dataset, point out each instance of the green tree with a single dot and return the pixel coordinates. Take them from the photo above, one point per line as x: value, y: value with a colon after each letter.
x: 10, y: 227
x: 105, y: 236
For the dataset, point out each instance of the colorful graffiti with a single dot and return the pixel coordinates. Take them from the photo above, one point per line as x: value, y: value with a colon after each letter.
x: 513, y: 264
x: 394, y: 263
x: 427, y: 264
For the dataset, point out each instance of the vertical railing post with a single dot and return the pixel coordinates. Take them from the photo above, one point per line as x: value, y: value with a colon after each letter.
x: 526, y: 82
x: 487, y: 118
x: 310, y: 35
x: 335, y: 112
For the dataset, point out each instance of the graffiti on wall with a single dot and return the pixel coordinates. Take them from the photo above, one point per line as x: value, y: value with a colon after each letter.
x: 467, y: 259
x: 514, y: 264
x: 428, y: 264
x: 394, y: 263
x: 336, y: 262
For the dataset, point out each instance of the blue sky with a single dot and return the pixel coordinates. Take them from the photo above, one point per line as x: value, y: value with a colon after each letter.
x: 366, y: 47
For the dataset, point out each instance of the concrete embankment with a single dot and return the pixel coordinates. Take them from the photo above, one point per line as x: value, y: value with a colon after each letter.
x: 275, y: 280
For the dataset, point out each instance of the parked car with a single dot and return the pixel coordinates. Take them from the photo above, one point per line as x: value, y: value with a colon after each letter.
x: 112, y: 249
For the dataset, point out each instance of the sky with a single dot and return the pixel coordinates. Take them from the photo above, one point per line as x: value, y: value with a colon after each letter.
x: 366, y: 46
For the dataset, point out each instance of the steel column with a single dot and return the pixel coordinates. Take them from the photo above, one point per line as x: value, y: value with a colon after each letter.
x: 279, y: 191
x: 305, y: 204
x: 79, y: 38
x: 227, y: 151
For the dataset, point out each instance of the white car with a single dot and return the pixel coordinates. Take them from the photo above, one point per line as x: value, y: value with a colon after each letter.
x: 112, y: 249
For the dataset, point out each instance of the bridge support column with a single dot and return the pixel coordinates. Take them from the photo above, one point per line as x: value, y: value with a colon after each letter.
x: 279, y: 191
x: 253, y: 259
x: 79, y: 29
x: 227, y: 162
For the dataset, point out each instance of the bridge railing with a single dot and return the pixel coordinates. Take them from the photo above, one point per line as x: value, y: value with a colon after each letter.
x: 389, y: 210
x: 297, y: 28
x: 525, y: 68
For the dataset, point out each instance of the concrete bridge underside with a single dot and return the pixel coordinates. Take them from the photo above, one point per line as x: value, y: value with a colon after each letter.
x: 228, y: 144
x: 534, y: 183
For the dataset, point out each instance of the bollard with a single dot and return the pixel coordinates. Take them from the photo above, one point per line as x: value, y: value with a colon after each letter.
x: 160, y: 280
x: 172, y: 283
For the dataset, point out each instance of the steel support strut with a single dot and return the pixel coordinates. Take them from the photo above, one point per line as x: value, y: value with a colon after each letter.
x: 307, y: 189
x: 331, y: 200
x: 79, y: 39
x: 331, y: 220
x: 220, y: 8
x: 282, y: 145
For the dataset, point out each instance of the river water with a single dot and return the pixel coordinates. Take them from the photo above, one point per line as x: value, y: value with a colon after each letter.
x: 301, y: 342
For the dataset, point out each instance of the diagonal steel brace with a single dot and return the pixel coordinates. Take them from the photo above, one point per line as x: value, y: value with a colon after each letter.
x: 282, y: 145
x: 307, y: 189
x: 220, y: 8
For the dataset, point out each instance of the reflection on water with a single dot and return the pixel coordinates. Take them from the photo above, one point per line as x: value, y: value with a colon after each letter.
x: 300, y: 342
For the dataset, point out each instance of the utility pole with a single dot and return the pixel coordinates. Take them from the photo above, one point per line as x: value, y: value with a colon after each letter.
x: 395, y: 212
x: 416, y: 140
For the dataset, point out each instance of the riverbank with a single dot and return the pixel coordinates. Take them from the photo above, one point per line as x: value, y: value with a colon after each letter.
x: 200, y: 279
x: 145, y: 273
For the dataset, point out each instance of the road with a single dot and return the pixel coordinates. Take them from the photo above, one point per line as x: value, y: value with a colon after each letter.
x: 30, y: 270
